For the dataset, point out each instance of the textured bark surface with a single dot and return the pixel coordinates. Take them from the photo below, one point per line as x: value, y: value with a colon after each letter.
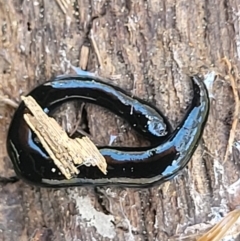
x: 148, y: 48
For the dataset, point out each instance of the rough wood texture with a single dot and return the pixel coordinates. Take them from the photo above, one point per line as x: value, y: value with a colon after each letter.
x: 148, y: 48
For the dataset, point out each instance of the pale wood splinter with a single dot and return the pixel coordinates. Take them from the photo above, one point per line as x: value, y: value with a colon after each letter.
x: 64, y: 151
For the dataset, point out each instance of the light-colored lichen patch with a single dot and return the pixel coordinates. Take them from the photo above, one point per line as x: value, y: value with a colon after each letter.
x: 87, y: 213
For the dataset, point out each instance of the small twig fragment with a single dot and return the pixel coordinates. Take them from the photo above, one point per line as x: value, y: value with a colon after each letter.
x: 236, y: 111
x: 220, y: 230
x: 96, y: 49
x: 8, y: 102
x: 63, y: 4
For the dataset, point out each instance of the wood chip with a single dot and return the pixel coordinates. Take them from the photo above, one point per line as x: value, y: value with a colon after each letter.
x: 84, y: 56
x: 65, y: 152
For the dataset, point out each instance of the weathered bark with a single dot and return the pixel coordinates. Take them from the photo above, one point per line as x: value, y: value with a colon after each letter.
x: 148, y: 48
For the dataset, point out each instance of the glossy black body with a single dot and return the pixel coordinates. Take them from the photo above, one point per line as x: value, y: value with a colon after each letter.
x: 169, y: 152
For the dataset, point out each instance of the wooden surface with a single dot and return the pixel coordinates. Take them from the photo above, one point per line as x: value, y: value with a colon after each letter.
x: 148, y: 48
